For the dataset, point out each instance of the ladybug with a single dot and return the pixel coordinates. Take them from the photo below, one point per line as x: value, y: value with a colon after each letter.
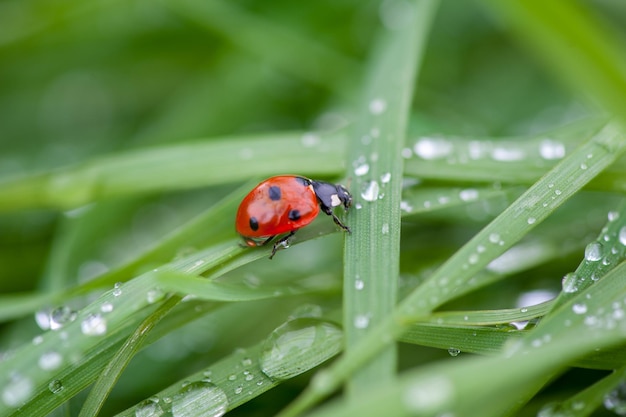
x: 284, y: 204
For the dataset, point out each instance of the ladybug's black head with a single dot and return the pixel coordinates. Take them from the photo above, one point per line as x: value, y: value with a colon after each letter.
x: 331, y: 195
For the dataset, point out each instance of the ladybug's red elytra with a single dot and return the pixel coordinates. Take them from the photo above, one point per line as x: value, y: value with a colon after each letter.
x: 284, y: 204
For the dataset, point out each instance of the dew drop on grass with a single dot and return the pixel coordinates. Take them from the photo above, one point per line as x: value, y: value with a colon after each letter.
x: 93, y: 325
x: 299, y: 345
x: 622, y: 235
x: 361, y: 321
x: 149, y: 408
x: 106, y: 307
x: 56, y: 386
x: 378, y: 106
x: 570, y: 283
x: 432, y: 148
x: 454, y: 352
x: 550, y: 149
x: 494, y: 238
x: 117, y: 289
x: 361, y: 170
x: 613, y: 215
x: 469, y: 194
x: 385, y: 178
x: 200, y: 398
x: 579, y: 308
x: 593, y: 252
x: 50, y: 361
x: 60, y: 316
x: 370, y: 191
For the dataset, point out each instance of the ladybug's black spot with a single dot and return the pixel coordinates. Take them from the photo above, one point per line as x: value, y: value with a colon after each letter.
x: 294, y: 214
x: 254, y: 223
x: 274, y: 193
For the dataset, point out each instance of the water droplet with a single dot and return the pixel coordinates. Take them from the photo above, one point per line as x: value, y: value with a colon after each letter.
x: 432, y: 148
x: 550, y: 149
x: 117, y: 289
x: 154, y: 295
x: 310, y: 140
x: 200, y: 398
x: 507, y: 154
x: 361, y: 170
x: 613, y: 215
x: 50, y: 361
x: 583, y: 166
x: 106, y: 307
x: 531, y: 220
x: 377, y: 106
x: 469, y: 194
x: 428, y: 394
x: 359, y: 284
x: 385, y: 229
x: 615, y: 400
x: 454, y: 352
x: 17, y: 391
x: 494, y: 238
x: 55, y: 386
x: 385, y: 178
x: 405, y: 206
x: 570, y: 283
x: 593, y: 252
x: 42, y: 318
x: 60, y: 316
x: 299, y: 345
x: 579, y: 308
x: 93, y: 325
x: 361, y: 321
x: 370, y: 191
x: 622, y: 235
x: 149, y: 408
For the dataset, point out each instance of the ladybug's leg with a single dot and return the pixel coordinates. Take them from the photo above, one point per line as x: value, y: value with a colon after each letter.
x: 266, y: 241
x: 282, y: 242
x: 329, y: 211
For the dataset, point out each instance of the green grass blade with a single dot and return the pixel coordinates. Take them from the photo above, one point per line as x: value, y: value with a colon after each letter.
x: 111, y: 373
x: 375, y: 151
x: 176, y: 167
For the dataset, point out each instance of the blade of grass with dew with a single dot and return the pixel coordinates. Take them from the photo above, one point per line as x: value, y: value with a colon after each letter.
x: 176, y: 167
x: 247, y: 373
x: 130, y: 303
x: 112, y: 372
x: 580, y: 48
x: 370, y: 280
x: 93, y: 326
x: 517, y: 160
x: 516, y: 221
x: 220, y: 291
x: 490, y: 387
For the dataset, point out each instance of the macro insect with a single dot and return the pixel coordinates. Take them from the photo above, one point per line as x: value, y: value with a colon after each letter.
x: 283, y: 204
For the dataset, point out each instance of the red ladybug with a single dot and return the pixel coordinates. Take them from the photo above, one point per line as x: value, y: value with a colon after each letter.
x: 284, y: 204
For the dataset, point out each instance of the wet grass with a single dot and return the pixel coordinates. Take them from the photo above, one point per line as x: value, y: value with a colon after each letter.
x: 483, y: 145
